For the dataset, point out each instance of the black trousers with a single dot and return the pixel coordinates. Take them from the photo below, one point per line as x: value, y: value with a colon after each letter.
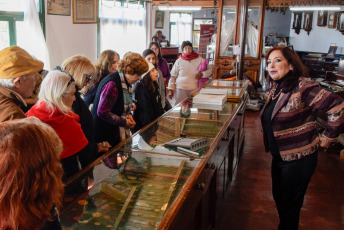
x: 289, y: 184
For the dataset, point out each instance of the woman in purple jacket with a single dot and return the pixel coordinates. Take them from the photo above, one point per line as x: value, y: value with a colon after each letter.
x: 161, y: 62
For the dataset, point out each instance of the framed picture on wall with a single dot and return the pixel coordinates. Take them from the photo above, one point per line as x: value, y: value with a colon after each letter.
x: 332, y: 19
x: 195, y: 40
x: 85, y: 11
x: 307, y: 21
x: 340, y: 25
x: 297, y: 22
x: 322, y: 18
x: 59, y: 7
x: 159, y: 19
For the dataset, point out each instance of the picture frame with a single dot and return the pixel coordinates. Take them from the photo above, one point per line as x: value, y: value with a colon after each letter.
x: 322, y: 18
x: 195, y: 40
x: 197, y: 22
x: 340, y: 21
x: 159, y: 19
x: 332, y: 51
x: 85, y: 11
x: 297, y: 22
x: 59, y: 7
x: 307, y: 21
x: 332, y: 19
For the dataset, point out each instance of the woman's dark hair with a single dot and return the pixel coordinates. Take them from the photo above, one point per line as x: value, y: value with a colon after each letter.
x: 157, y: 45
x: 147, y: 82
x: 147, y: 52
x: 294, y: 60
x: 186, y: 43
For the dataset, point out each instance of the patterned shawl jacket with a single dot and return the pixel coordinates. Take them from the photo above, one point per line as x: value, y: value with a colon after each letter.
x: 295, y: 115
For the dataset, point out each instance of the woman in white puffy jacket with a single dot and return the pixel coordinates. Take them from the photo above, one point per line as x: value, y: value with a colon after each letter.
x: 185, y: 73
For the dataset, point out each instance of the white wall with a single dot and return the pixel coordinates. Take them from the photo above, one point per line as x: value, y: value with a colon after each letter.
x: 319, y: 39
x: 276, y: 22
x: 65, y: 39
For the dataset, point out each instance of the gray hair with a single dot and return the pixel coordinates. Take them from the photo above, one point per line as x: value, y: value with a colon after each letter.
x: 53, y: 87
x: 9, y: 83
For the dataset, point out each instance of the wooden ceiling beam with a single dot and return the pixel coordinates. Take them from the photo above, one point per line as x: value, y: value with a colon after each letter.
x: 184, y: 3
x: 283, y: 3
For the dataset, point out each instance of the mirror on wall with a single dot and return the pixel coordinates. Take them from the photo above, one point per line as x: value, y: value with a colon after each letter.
x: 178, y: 26
x: 228, y: 24
x: 252, y: 28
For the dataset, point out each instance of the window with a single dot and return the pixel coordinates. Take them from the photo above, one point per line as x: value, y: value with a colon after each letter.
x: 180, y: 28
x: 122, y: 27
x: 12, y: 21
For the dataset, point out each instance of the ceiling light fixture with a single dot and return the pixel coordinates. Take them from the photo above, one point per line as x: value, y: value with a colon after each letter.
x: 179, y: 8
x: 312, y: 8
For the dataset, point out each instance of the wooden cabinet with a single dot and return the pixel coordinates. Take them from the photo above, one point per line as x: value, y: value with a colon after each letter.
x: 229, y: 34
x: 170, y: 54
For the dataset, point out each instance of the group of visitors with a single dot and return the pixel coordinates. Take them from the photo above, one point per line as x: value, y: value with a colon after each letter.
x: 65, y: 119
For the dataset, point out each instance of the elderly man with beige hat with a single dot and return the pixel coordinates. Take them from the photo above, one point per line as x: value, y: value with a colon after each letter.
x: 18, y: 78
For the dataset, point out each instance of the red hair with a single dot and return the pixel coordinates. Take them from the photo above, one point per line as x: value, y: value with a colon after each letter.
x: 30, y: 173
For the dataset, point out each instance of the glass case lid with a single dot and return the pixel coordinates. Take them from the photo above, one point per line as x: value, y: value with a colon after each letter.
x: 158, y: 136
x: 134, y: 196
x: 187, y: 109
x: 231, y: 83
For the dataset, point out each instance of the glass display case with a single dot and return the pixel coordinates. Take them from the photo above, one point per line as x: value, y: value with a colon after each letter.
x: 135, y: 196
x: 235, y: 89
x: 148, y: 183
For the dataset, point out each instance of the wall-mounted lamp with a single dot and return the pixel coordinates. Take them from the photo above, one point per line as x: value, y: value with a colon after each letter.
x: 179, y: 8
x: 313, y: 8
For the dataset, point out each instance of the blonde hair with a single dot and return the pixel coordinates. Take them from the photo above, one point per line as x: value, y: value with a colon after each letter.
x: 31, y: 173
x: 53, y: 87
x: 77, y: 66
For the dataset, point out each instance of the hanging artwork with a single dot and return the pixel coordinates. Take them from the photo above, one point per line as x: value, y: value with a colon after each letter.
x: 307, y: 21
x: 322, y: 18
x: 59, y: 7
x: 332, y: 19
x: 297, y: 22
x: 85, y: 11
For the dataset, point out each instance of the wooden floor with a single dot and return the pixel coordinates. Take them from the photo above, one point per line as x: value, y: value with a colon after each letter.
x: 249, y: 202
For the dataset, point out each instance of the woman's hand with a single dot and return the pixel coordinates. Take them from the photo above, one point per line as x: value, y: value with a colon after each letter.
x: 103, y: 147
x: 130, y: 122
x: 170, y: 93
x: 324, y: 143
x: 198, y: 75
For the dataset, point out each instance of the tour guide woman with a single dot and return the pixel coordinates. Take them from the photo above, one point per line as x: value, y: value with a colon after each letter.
x: 290, y: 130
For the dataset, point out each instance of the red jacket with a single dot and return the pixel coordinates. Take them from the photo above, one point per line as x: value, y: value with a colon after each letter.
x: 67, y: 127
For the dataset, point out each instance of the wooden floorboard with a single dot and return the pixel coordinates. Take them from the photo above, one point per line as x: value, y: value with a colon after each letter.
x: 249, y: 204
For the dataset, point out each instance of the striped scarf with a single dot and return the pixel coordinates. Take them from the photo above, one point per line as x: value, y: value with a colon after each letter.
x: 128, y: 105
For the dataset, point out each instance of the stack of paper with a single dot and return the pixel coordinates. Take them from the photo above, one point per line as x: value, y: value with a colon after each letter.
x: 211, y: 99
x: 221, y: 91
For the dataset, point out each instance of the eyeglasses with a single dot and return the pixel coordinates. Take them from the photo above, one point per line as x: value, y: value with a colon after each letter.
x: 88, y: 77
x: 70, y: 75
x: 70, y: 81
